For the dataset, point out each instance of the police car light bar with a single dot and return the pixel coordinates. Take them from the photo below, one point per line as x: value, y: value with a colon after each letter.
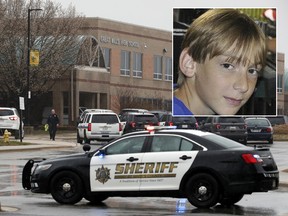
x: 155, y: 128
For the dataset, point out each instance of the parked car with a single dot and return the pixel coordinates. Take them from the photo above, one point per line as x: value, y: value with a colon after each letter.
x: 138, y: 121
x: 232, y: 127
x: 10, y: 120
x: 127, y: 110
x: 158, y: 113
x: 278, y: 120
x: 201, y: 120
x: 181, y: 122
x: 99, y: 125
x: 204, y: 168
x: 259, y: 129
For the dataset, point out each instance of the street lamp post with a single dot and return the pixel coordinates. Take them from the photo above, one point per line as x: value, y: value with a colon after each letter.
x: 28, y: 65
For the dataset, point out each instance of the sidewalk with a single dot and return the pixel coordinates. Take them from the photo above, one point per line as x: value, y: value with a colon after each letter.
x: 68, y: 140
x: 40, y: 141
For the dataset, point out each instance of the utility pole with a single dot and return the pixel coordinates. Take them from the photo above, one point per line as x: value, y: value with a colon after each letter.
x: 28, y: 95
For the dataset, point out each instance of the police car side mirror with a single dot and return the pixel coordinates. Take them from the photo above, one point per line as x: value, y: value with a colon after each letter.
x: 101, y: 153
x: 86, y: 148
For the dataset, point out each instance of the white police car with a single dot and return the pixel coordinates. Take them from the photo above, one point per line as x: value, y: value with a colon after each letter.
x: 99, y: 124
x: 203, y: 167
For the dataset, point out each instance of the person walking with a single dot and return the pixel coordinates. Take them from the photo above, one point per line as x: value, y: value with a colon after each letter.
x: 53, y: 122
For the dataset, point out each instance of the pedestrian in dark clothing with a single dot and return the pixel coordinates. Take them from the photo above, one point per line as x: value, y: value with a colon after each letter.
x: 53, y: 122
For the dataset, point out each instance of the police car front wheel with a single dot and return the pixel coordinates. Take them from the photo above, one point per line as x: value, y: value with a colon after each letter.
x: 66, y: 188
x: 202, y: 190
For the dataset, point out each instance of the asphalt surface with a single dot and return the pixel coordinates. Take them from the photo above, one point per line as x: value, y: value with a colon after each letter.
x: 68, y: 140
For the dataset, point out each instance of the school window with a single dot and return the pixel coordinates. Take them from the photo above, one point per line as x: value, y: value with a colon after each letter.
x: 137, y: 64
x: 125, y: 63
x: 106, y: 54
x: 167, y: 105
x: 280, y: 83
x: 157, y: 67
x: 168, y: 69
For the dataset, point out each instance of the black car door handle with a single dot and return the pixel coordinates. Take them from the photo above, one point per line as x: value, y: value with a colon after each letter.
x: 185, y: 157
x: 131, y: 159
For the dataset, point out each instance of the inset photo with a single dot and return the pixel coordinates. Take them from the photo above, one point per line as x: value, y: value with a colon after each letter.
x: 224, y: 61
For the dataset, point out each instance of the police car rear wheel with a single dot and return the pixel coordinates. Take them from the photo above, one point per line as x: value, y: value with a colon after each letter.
x: 96, y: 199
x: 202, y: 190
x: 231, y: 200
x: 66, y: 188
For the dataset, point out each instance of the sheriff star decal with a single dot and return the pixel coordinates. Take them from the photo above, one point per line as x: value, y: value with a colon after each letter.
x: 102, y: 174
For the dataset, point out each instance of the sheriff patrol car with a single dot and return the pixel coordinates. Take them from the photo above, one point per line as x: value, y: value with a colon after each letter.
x: 203, y: 167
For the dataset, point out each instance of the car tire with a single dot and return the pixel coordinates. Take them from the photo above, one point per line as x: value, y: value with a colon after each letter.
x: 17, y: 134
x: 96, y: 199
x: 86, y: 140
x: 79, y: 140
x: 270, y: 141
x: 202, y: 190
x: 231, y: 200
x: 66, y: 188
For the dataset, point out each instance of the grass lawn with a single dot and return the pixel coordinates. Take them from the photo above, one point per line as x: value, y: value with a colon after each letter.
x: 280, y: 137
x: 280, y: 133
x: 12, y: 143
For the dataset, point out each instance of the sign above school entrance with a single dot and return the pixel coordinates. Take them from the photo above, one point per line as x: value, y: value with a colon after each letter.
x: 119, y: 41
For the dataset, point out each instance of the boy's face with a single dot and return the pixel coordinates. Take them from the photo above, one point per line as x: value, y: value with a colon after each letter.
x: 224, y: 86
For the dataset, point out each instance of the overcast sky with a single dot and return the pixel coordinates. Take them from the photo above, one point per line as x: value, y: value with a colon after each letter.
x: 158, y: 13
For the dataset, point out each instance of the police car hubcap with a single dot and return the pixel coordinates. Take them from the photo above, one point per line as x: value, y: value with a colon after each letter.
x: 66, y: 187
x: 202, y: 190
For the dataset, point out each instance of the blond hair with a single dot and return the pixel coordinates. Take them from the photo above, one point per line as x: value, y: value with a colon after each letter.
x: 219, y: 30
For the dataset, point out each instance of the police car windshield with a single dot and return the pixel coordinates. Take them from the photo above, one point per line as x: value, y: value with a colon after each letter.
x: 225, y: 143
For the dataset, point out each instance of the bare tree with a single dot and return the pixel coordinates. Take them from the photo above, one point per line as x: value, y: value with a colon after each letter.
x: 129, y: 98
x: 53, y: 32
